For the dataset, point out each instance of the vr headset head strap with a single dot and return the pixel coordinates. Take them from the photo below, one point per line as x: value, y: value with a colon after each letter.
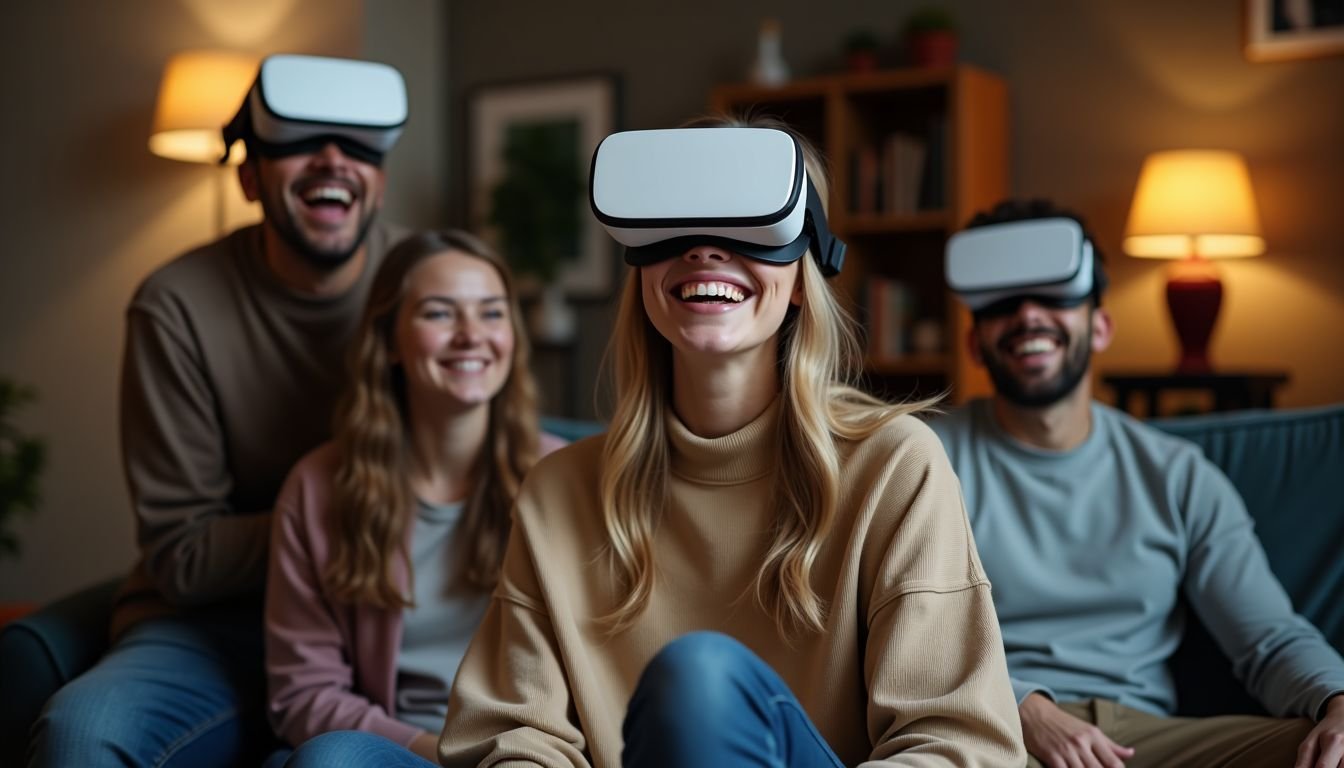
x: 240, y: 127
x: 827, y: 249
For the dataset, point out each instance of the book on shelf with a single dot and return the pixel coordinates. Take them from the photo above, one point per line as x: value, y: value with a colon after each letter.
x: 933, y: 183
x: 889, y: 311
x: 902, y: 171
x: 864, y: 180
x: 888, y: 176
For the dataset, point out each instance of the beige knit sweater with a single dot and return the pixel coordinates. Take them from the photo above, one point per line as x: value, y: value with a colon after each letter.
x: 909, y: 670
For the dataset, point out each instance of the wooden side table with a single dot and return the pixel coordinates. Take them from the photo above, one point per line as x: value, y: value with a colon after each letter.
x: 1231, y: 390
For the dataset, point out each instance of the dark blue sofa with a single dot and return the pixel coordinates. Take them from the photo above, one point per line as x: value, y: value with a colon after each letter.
x: 1288, y: 465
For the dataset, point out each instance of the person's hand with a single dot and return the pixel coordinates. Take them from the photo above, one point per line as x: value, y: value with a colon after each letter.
x: 1324, y: 746
x: 1060, y: 740
x: 426, y: 745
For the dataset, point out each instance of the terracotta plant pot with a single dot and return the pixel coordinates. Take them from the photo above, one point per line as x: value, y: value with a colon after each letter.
x: 934, y: 48
x: 861, y: 61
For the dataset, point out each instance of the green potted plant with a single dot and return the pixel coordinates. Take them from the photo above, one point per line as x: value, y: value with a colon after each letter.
x: 931, y: 37
x: 22, y: 457
x: 861, y: 47
x: 535, y: 209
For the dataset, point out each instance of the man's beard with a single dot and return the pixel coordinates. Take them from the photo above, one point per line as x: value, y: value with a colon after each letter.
x: 324, y: 259
x: 1044, y: 393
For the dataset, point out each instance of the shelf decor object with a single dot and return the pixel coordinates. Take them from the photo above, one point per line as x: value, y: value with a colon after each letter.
x: 931, y: 37
x: 1193, y: 206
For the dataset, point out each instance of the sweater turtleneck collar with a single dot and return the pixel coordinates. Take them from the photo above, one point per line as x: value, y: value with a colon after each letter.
x: 739, y: 457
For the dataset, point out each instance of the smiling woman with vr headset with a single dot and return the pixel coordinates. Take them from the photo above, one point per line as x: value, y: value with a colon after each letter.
x: 758, y: 564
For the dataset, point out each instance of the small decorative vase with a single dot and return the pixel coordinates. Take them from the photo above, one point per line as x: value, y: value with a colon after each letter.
x: 861, y: 61
x: 770, y: 67
x: 552, y: 320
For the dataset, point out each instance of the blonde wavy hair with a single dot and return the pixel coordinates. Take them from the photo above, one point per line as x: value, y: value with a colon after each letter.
x: 373, y: 504
x: 822, y: 406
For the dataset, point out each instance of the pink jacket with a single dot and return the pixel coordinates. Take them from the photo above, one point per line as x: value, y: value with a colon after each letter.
x: 329, y: 665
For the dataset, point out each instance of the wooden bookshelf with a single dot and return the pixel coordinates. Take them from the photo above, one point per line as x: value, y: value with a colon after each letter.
x: 959, y: 115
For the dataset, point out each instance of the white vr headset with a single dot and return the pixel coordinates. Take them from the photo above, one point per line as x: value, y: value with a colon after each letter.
x: 298, y: 103
x: 1046, y: 259
x: 661, y: 192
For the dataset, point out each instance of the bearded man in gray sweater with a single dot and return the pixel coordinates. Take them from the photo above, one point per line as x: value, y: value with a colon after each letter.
x: 1092, y: 525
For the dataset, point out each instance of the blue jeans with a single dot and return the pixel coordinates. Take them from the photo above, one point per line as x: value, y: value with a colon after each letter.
x: 706, y: 700
x: 353, y: 749
x: 172, y: 691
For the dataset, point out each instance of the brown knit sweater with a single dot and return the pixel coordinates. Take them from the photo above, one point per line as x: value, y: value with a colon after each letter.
x: 228, y: 379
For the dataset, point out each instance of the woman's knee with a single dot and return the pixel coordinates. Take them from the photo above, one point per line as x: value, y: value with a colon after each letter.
x: 700, y: 654
x: 701, y: 673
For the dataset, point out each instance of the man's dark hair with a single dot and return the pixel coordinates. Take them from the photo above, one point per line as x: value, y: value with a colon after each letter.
x: 1040, y: 208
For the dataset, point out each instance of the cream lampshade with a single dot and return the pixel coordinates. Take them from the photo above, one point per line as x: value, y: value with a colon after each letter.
x: 199, y: 93
x: 1193, y: 205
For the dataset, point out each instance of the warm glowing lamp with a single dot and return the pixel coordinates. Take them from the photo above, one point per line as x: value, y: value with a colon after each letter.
x: 1193, y: 205
x: 199, y: 93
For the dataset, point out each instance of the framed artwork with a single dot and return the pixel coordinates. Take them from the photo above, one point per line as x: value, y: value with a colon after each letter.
x: 1278, y: 30
x: 529, y: 149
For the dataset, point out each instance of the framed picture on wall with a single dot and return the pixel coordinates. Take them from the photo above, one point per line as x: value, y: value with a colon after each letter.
x: 1278, y: 30
x: 529, y: 148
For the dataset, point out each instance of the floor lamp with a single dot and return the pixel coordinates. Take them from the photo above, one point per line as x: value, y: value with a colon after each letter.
x: 1193, y: 206
x: 199, y: 92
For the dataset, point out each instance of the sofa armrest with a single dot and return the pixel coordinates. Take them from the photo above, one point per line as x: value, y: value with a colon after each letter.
x: 1286, y: 466
x: 43, y: 651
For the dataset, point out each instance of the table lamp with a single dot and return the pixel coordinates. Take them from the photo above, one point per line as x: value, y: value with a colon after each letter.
x: 1193, y: 205
x: 200, y: 91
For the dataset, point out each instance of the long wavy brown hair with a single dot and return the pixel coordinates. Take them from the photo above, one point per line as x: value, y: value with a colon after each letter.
x: 821, y: 407
x: 373, y: 504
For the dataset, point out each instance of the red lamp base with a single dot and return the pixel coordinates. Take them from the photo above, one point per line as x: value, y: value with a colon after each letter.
x: 1194, y: 294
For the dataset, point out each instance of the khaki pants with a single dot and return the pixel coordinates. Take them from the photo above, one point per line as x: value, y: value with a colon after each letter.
x: 1244, y: 741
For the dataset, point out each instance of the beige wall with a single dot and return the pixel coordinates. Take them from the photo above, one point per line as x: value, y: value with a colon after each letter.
x: 410, y: 35
x: 1095, y: 85
x: 1118, y: 80
x: 87, y: 213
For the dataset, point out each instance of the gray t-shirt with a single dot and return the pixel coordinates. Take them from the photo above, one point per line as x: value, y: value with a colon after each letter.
x: 438, y: 628
x: 1089, y: 551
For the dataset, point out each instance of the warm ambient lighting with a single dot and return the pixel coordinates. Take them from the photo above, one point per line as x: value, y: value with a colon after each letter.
x: 1193, y: 205
x: 199, y: 93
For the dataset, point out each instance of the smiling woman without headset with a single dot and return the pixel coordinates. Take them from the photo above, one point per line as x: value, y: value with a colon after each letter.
x: 387, y: 541
x: 757, y: 564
